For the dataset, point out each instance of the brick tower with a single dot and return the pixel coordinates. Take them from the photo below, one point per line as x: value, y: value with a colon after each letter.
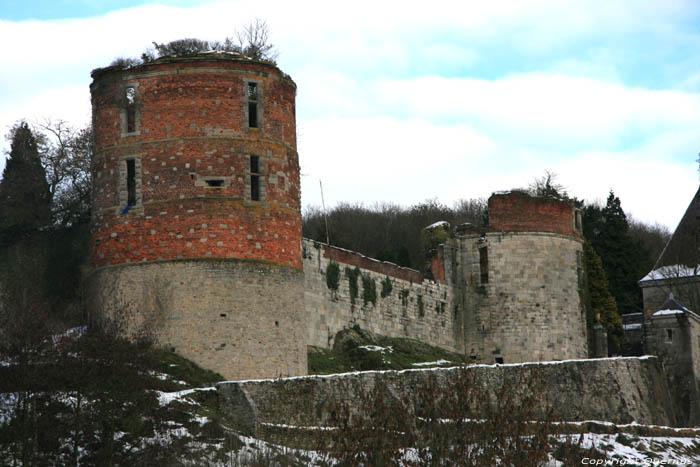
x: 196, y: 210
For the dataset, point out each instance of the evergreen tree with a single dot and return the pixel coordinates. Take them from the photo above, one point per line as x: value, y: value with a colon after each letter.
x: 25, y: 198
x: 607, y: 229
x: 599, y: 301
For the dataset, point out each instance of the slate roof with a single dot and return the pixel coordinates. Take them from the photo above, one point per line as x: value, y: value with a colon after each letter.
x: 684, y: 246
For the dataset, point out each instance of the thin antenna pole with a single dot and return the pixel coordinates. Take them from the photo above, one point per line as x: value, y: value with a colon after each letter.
x: 325, y: 214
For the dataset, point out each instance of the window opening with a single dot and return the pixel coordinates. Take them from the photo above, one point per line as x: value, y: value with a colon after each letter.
x: 130, y: 95
x: 484, y: 265
x: 131, y: 182
x: 499, y: 360
x: 255, y: 178
x: 253, y: 105
x: 215, y: 183
x: 669, y: 335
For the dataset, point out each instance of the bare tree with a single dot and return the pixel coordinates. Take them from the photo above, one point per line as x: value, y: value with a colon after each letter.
x: 254, y: 41
x: 66, y: 154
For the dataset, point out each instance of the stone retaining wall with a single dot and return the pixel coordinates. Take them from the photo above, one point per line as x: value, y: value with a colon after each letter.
x: 619, y: 390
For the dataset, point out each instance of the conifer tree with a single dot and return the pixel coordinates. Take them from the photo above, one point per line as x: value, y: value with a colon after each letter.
x: 607, y: 229
x: 600, y: 300
x: 25, y: 198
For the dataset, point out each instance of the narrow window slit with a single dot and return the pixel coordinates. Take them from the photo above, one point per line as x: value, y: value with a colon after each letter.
x: 130, y: 96
x: 131, y: 182
x: 253, y: 105
x: 484, y: 265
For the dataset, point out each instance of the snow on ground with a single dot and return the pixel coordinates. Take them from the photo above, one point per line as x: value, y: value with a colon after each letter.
x: 439, y: 362
x: 165, y: 398
x: 478, y: 365
x: 644, y: 450
x: 376, y: 348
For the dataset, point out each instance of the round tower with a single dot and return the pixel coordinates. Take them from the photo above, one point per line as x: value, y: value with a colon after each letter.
x: 196, y: 211
x: 521, y: 280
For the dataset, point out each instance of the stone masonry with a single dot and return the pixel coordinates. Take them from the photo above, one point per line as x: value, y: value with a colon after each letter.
x: 504, y: 294
x: 620, y: 390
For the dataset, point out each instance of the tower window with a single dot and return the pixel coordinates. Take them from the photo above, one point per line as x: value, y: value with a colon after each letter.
x: 484, y: 264
x: 130, y: 196
x: 130, y: 108
x: 255, y: 178
x: 669, y: 335
x: 131, y: 182
x: 253, y: 100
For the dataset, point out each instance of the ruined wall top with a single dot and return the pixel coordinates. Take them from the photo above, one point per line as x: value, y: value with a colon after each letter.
x: 518, y: 211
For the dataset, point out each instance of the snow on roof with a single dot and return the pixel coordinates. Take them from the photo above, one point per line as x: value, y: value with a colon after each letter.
x: 668, y: 312
x: 685, y: 311
x: 630, y: 327
x: 671, y: 272
x: 439, y: 224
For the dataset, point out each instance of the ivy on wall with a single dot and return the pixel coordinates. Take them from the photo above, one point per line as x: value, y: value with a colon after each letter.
x: 369, y: 290
x: 387, y: 287
x: 352, y: 275
x: 333, y: 276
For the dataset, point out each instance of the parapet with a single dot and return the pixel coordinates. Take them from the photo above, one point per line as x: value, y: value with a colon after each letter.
x: 518, y: 211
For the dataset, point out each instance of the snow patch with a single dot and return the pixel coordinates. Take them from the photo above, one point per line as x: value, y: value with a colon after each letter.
x: 165, y: 398
x: 439, y: 362
x: 671, y: 272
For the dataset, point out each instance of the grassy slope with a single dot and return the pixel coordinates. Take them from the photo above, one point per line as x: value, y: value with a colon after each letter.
x: 358, y: 350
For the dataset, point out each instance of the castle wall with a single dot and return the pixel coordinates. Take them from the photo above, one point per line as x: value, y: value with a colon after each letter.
x: 416, y: 308
x: 196, y: 211
x: 521, y: 300
x: 620, y: 390
x: 241, y: 319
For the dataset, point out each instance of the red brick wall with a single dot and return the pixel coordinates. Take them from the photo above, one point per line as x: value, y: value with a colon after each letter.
x: 437, y: 266
x: 520, y: 212
x: 193, y: 125
x: 356, y: 259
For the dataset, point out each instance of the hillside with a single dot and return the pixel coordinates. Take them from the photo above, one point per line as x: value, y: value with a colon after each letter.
x: 85, y: 398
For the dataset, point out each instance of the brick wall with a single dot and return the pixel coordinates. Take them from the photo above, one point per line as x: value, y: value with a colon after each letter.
x: 192, y: 128
x: 520, y: 212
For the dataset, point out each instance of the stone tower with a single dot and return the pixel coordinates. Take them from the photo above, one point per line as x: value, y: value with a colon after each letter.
x: 520, y: 282
x: 196, y: 210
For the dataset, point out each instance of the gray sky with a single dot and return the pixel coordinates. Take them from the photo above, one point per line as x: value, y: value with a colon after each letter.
x: 403, y: 101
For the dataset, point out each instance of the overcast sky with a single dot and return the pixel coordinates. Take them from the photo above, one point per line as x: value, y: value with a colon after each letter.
x: 406, y: 101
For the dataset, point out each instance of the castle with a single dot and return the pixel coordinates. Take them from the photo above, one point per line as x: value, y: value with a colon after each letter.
x: 197, y: 237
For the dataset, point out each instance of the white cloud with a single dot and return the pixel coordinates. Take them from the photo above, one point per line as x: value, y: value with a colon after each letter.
x: 402, y: 102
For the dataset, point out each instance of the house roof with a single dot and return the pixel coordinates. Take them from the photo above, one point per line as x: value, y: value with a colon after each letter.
x: 683, y: 248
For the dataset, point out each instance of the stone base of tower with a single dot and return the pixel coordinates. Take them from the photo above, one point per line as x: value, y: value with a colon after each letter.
x: 242, y: 319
